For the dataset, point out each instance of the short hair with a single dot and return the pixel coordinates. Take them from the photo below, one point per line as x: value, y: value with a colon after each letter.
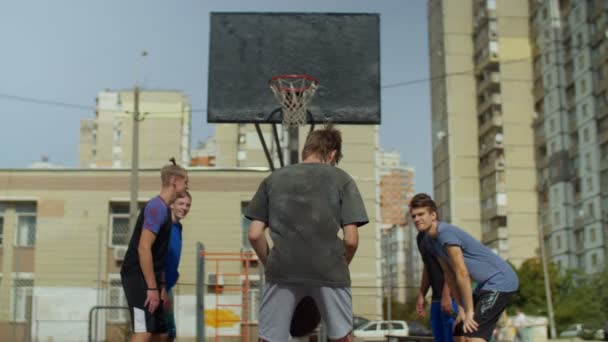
x: 184, y: 194
x: 172, y: 170
x: 322, y: 142
x: 423, y: 200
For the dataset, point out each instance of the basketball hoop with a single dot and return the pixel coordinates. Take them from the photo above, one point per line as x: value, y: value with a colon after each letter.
x: 293, y: 92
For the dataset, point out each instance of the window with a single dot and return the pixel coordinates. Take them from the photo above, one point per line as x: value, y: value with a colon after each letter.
x: 119, y: 224
x: 245, y: 227
x: 21, y: 299
x: 583, y: 86
x: 491, y: 4
x: 552, y: 125
x: 591, y: 210
x: 593, y: 259
x: 558, y: 242
x: 116, y: 297
x: 556, y: 217
x: 588, y: 160
x: 586, y: 135
x: 589, y: 184
x: 592, y: 236
x: 371, y: 327
x: 585, y: 111
x: 26, y: 224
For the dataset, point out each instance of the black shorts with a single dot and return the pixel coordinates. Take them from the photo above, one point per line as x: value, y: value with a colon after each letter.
x: 489, y: 305
x: 142, y: 320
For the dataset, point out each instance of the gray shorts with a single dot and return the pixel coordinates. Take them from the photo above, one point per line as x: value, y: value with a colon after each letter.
x: 279, y: 302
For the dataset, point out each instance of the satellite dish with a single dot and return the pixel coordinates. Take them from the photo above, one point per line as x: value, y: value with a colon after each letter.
x: 499, y: 138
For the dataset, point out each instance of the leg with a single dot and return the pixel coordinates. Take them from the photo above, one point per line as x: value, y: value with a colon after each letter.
x: 489, y: 305
x: 141, y: 337
x: 276, y: 310
x: 436, y: 323
x: 336, y: 308
x: 447, y: 322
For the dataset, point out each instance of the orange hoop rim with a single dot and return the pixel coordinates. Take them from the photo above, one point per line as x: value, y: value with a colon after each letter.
x: 273, y: 82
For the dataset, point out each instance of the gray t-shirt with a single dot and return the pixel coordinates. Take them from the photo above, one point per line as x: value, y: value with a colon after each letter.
x: 305, y: 205
x: 486, y: 268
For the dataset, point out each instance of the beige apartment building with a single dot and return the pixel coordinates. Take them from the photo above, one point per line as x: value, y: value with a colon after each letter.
x: 63, y: 234
x: 482, y: 116
x: 164, y: 129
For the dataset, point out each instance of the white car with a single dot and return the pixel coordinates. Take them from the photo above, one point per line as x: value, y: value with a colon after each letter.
x: 382, y: 328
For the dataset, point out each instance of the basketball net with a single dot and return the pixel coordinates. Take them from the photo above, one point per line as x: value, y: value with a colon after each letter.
x: 294, y: 92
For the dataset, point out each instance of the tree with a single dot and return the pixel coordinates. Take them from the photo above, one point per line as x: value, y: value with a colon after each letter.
x: 531, y: 296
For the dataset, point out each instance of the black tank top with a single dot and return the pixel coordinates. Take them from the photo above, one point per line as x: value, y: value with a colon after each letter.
x: 131, y: 264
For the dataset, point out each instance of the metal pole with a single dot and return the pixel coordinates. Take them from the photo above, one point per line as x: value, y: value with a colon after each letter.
x: 547, y: 280
x: 200, y: 293
x: 99, y: 229
x: 134, y: 160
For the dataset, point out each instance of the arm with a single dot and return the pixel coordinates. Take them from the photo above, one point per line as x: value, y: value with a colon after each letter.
x: 446, y: 299
x: 463, y: 283
x: 258, y: 240
x: 424, y: 288
x: 144, y: 250
x: 450, y: 280
x: 351, y: 241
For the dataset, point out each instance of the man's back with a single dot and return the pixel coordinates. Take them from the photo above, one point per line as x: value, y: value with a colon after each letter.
x: 305, y: 205
x: 485, y: 267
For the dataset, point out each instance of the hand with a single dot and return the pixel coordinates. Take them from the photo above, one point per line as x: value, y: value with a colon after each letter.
x: 446, y: 305
x: 469, y: 324
x: 152, y: 300
x: 460, y: 316
x: 420, y: 305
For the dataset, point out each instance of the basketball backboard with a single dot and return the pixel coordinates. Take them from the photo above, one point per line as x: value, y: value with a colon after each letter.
x: 341, y: 50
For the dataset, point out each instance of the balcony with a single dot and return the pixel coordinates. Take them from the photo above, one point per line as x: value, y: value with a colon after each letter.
x: 484, y: 149
x: 572, y: 127
x: 497, y: 165
x: 569, y: 78
x: 540, y: 138
x: 578, y: 223
x: 496, y: 211
x: 539, y: 93
x: 603, y: 136
x: 604, y: 166
x: 599, y: 34
x: 541, y: 163
x: 486, y: 60
x: 493, y: 100
x: 496, y: 121
x: 596, y: 9
x: 491, y: 81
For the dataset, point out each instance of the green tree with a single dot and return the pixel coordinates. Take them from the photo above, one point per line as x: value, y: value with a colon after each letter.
x: 531, y: 295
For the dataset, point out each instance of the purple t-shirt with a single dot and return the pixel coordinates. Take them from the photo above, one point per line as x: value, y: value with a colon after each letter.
x: 155, y: 214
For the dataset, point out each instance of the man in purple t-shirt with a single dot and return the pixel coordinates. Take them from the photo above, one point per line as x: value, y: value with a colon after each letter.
x: 142, y: 271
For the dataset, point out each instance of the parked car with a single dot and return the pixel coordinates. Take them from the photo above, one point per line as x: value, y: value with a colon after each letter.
x: 584, y: 331
x: 382, y: 328
x: 417, y: 329
x: 359, y: 321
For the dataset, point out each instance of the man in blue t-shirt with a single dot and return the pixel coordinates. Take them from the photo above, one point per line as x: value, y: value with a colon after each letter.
x: 443, y: 307
x: 179, y: 210
x: 463, y: 259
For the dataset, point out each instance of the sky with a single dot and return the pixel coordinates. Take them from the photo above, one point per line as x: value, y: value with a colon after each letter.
x: 57, y: 55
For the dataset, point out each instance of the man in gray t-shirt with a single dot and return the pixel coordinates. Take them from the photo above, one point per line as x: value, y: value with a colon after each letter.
x: 305, y: 206
x: 463, y: 259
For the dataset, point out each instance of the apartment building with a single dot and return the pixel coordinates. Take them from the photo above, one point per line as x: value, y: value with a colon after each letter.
x: 482, y: 115
x: 63, y: 234
x: 164, y: 129
x: 570, y: 52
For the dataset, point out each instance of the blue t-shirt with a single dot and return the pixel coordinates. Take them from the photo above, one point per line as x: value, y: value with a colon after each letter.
x: 155, y: 214
x: 174, y: 252
x: 486, y: 268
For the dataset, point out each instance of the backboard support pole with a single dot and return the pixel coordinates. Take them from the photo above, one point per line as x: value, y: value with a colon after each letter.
x: 264, y: 146
x: 275, y: 132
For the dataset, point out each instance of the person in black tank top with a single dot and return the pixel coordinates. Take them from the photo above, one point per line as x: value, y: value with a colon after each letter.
x: 142, y: 272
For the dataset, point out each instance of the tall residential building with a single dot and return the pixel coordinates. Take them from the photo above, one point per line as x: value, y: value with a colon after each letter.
x: 396, y: 189
x: 570, y: 54
x: 482, y: 115
x: 164, y: 130
x: 401, y: 263
x: 238, y: 145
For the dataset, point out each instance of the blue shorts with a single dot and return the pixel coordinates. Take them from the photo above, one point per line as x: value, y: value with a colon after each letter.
x: 441, y: 323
